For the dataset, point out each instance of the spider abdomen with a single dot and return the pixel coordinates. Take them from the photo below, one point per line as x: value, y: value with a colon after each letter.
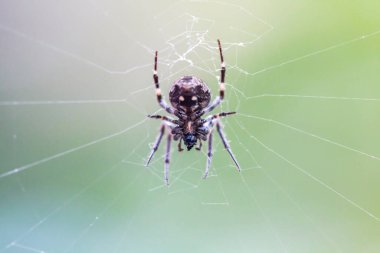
x: 189, y: 93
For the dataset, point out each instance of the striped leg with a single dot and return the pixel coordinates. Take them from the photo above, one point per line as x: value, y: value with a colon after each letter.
x: 167, y: 159
x: 156, y: 144
x: 222, y: 85
x: 226, y: 145
x: 222, y: 72
x: 164, y: 118
x: 216, y: 116
x: 209, y: 155
x: 161, y: 101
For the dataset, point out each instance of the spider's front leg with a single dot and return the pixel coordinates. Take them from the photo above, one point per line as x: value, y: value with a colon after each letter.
x: 204, y: 133
x: 167, y: 159
x: 156, y: 143
x: 208, y: 124
x: 225, y: 143
x: 209, y: 155
x: 167, y: 154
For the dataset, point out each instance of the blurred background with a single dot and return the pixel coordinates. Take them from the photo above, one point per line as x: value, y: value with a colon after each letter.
x: 75, y: 89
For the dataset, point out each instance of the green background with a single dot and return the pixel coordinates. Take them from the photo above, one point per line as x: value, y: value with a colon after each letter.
x: 75, y: 89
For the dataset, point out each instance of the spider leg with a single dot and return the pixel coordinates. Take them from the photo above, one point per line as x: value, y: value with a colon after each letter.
x: 226, y: 145
x: 180, y: 149
x: 156, y: 144
x: 199, y: 145
x: 209, y: 155
x: 222, y: 72
x: 161, y: 101
x: 216, y: 116
x: 164, y: 118
x: 222, y: 85
x: 167, y: 159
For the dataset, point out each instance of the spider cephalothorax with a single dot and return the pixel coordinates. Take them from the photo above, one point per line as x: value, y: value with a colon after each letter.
x: 190, y: 99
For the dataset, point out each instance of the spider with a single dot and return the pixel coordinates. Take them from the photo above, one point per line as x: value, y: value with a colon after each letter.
x: 190, y: 99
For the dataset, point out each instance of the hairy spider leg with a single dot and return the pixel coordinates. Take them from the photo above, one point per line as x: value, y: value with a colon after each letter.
x: 222, y: 85
x: 216, y: 116
x: 167, y: 159
x: 209, y: 155
x: 222, y: 72
x: 161, y: 101
x: 156, y: 144
x: 225, y: 143
x: 164, y: 118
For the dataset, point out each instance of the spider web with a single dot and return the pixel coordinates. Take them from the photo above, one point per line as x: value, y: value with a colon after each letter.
x: 75, y: 89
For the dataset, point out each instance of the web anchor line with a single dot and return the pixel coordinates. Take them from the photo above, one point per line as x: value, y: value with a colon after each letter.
x: 69, y: 151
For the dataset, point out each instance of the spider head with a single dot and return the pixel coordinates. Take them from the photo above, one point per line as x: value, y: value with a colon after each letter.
x: 189, y: 140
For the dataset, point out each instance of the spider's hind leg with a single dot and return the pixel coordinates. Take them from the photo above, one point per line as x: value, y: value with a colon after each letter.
x: 222, y: 85
x: 160, y: 99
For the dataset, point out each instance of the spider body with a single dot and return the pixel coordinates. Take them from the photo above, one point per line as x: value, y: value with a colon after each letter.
x: 189, y: 95
x: 190, y: 99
